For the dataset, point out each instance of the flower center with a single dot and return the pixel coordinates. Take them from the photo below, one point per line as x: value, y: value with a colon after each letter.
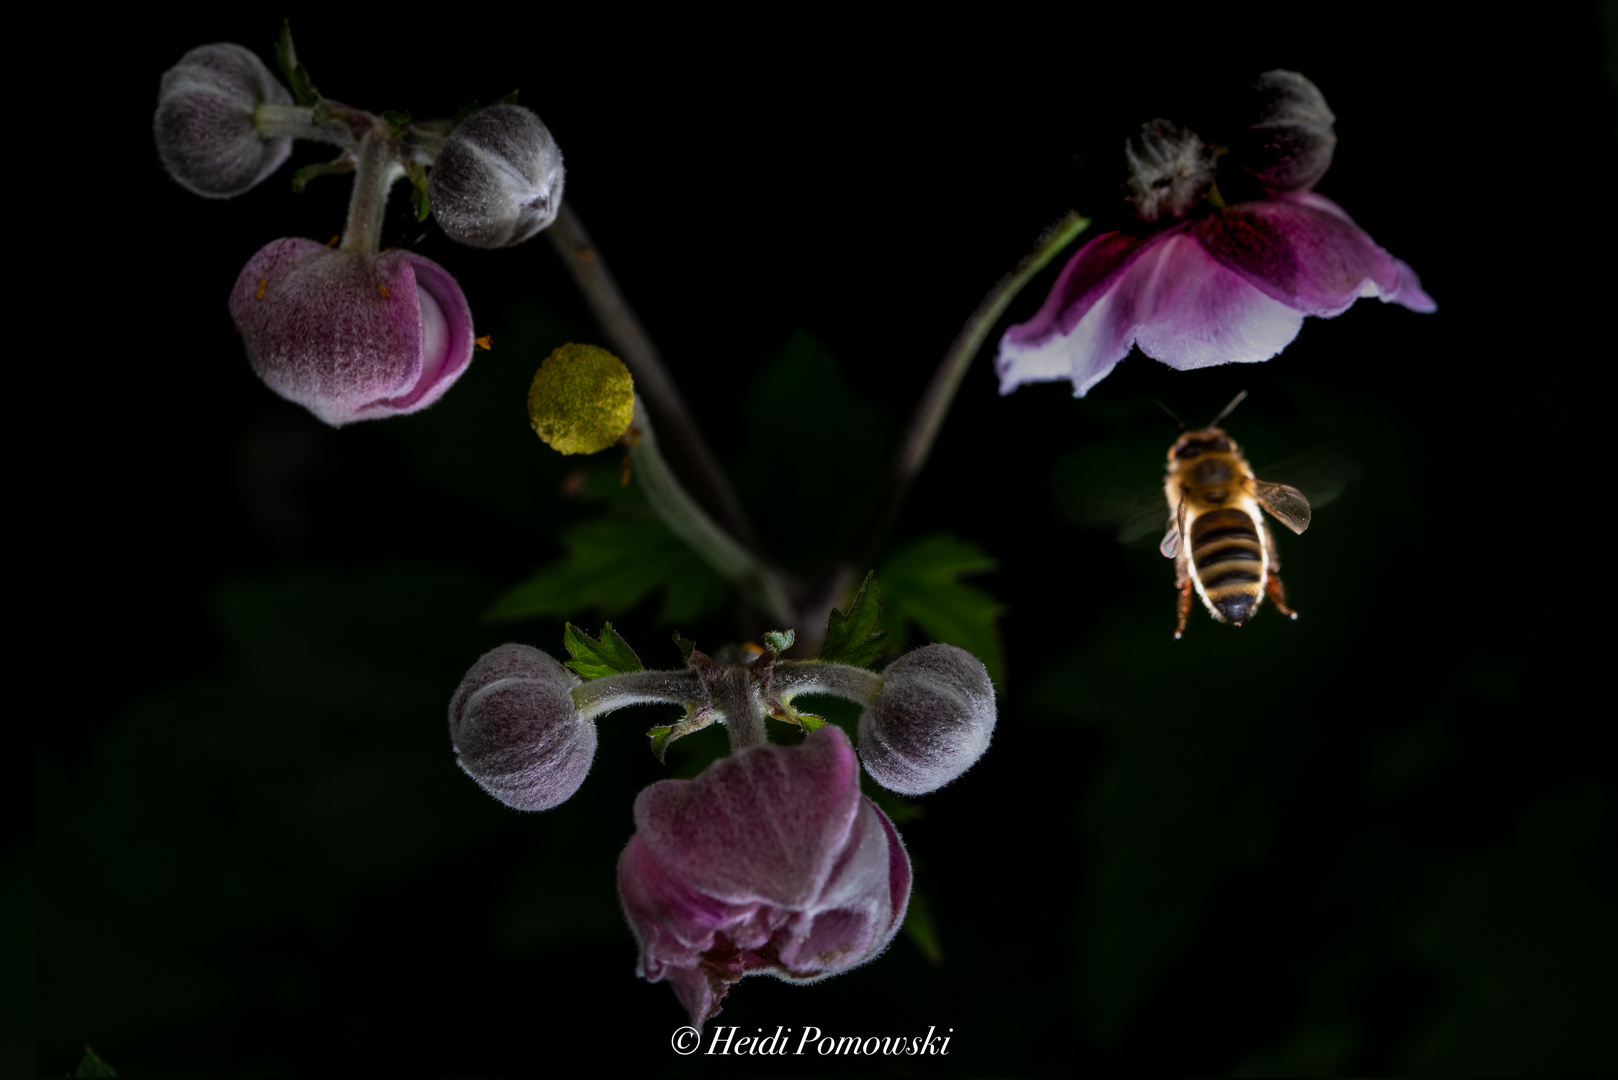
x: 1170, y: 169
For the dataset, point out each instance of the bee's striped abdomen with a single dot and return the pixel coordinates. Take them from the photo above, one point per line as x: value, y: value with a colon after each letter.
x: 1227, y: 557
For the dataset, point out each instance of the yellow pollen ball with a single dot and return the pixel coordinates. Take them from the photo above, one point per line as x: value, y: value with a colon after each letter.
x: 582, y: 399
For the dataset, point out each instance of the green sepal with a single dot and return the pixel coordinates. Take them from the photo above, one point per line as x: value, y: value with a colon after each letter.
x: 685, y: 645
x: 473, y: 106
x: 809, y: 721
x: 592, y: 658
x: 660, y: 740
x: 921, y: 930
x: 418, y: 189
x: 396, y: 120
x: 509, y: 99
x: 778, y: 641
x: 852, y: 636
x: 296, y: 75
x: 301, y: 178
x: 92, y: 1065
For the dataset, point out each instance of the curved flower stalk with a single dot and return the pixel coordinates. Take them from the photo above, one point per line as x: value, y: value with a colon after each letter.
x: 770, y: 862
x: 1213, y: 283
x: 349, y: 335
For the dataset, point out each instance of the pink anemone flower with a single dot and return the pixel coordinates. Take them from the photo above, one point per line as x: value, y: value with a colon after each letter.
x: 1229, y: 283
x: 352, y: 336
x: 769, y: 862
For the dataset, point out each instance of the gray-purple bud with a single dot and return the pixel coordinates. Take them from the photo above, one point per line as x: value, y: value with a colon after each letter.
x: 498, y: 180
x: 204, y: 123
x: 1170, y: 169
x: 1290, y: 146
x: 930, y: 723
x: 516, y: 730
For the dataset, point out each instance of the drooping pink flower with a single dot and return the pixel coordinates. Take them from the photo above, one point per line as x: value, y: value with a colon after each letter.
x: 352, y: 336
x: 1217, y: 284
x: 769, y: 862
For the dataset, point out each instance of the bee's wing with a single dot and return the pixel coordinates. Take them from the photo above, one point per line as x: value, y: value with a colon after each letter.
x: 1284, y: 502
x: 1322, y: 472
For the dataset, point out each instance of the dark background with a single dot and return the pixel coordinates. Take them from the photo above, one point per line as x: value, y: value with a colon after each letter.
x: 1376, y: 840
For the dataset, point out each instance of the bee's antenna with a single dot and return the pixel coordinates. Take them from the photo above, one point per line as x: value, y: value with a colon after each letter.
x: 1170, y: 411
x: 1226, y: 411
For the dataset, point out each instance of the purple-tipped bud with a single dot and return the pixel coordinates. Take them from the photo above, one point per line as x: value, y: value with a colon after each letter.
x: 1170, y: 169
x: 351, y: 336
x: 204, y: 122
x: 930, y: 723
x: 498, y: 180
x: 1290, y: 146
x: 516, y: 730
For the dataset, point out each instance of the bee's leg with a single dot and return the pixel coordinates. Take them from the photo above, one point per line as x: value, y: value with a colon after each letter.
x: 1277, y: 595
x: 1183, y: 580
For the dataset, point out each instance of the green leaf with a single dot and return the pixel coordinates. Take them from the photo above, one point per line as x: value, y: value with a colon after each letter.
x: 922, y: 586
x: 471, y: 107
x: 778, y: 641
x: 509, y: 99
x: 611, y: 565
x: 810, y: 721
x: 92, y: 1065
x: 396, y: 120
x: 301, y: 178
x: 296, y: 75
x: 852, y: 636
x: 660, y: 740
x: 685, y: 645
x: 592, y: 659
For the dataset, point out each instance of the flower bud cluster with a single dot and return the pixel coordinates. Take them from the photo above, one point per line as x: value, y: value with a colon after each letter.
x: 931, y: 722
x: 516, y: 731
x: 204, y: 125
x: 498, y: 180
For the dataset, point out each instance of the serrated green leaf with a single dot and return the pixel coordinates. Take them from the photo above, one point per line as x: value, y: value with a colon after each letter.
x: 92, y: 1065
x: 852, y: 636
x: 779, y: 641
x: 592, y: 659
x: 611, y: 565
x: 922, y: 586
x: 297, y: 77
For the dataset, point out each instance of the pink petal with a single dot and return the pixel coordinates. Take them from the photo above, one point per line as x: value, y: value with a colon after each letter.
x: 1185, y: 309
x: 1046, y: 347
x: 1305, y: 252
x: 351, y: 336
x: 763, y: 824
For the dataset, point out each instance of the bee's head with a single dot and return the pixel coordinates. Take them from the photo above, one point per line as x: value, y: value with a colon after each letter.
x: 1193, y: 444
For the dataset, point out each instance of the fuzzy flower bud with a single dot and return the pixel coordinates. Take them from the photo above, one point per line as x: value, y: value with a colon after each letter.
x: 351, y: 336
x: 204, y: 122
x: 582, y: 399
x: 516, y: 730
x: 1290, y: 146
x: 931, y: 721
x: 498, y: 180
x: 1170, y: 169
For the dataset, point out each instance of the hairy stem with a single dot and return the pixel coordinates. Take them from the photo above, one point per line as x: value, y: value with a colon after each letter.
x: 630, y: 340
x: 603, y: 695
x: 935, y: 401
x: 691, y: 523
x: 793, y: 677
x: 375, y: 172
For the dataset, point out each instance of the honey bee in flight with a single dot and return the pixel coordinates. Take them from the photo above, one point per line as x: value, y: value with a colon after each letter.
x: 1220, y: 545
